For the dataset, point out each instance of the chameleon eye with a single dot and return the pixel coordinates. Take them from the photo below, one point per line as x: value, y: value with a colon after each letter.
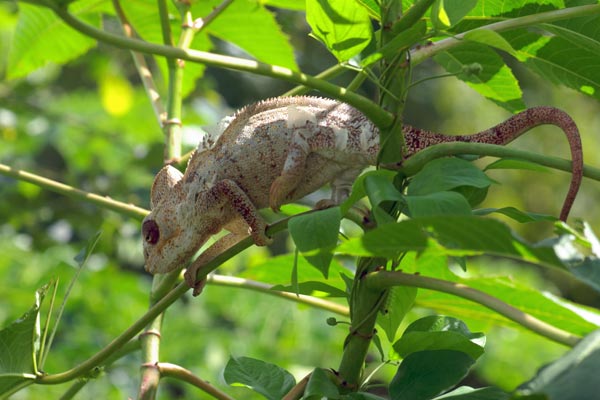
x: 150, y: 231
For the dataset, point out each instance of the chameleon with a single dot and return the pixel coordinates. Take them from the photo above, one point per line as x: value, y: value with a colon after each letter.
x: 279, y: 150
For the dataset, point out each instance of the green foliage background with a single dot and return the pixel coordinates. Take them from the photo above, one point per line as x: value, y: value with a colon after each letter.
x: 88, y: 123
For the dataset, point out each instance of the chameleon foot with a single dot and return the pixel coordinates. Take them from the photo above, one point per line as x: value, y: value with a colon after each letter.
x: 324, y: 204
x: 190, y: 279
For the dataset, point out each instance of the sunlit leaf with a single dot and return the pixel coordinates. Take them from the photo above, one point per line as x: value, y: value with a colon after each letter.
x: 41, y: 37
x: 265, y: 40
x: 495, y: 81
x: 343, y: 26
x: 447, y: 13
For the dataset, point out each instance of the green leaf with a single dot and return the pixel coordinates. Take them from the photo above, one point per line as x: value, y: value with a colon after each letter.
x: 372, y: 7
x: 585, y: 268
x: 472, y: 194
x: 359, y: 190
x: 444, y: 174
x: 320, y: 386
x: 264, y: 40
x: 387, y: 242
x: 519, y: 294
x: 459, y: 235
x: 60, y: 42
x: 468, y: 393
x: 517, y: 215
x: 425, y: 374
x: 490, y: 38
x: 495, y: 81
x: 342, y: 26
x: 399, y: 302
x: 19, y: 344
x: 146, y: 21
x: 271, y: 381
x: 287, y: 4
x: 315, y: 235
x: 440, y: 203
x: 440, y: 333
x: 362, y: 396
x: 567, y: 57
x: 572, y: 377
x: 447, y: 13
x: 381, y: 189
x: 277, y: 270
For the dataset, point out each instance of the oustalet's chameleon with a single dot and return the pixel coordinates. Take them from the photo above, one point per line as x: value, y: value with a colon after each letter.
x: 276, y: 151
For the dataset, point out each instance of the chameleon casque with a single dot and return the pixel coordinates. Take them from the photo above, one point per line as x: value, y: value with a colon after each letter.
x: 275, y: 152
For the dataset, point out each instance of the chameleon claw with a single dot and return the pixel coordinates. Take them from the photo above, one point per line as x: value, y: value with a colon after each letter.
x: 275, y: 196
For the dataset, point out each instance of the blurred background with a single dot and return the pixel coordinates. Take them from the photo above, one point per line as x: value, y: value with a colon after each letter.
x: 89, y: 124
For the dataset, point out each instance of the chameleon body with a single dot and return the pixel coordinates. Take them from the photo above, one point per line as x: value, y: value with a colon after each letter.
x: 277, y: 151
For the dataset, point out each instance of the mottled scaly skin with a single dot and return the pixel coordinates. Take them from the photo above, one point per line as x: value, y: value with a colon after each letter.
x: 277, y: 151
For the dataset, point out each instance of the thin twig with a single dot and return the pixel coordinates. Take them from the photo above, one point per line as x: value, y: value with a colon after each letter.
x: 177, y: 372
x: 298, y: 390
x: 142, y: 67
x: 232, y: 281
x: 69, y: 191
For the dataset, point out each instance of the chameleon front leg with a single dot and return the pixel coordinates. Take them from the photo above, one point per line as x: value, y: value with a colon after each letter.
x: 227, y: 193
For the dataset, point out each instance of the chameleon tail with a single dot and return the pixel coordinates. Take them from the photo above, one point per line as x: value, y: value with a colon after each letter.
x: 511, y: 129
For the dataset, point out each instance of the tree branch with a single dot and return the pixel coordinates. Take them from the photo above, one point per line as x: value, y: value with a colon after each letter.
x: 415, y: 163
x: 379, y: 117
x: 387, y: 279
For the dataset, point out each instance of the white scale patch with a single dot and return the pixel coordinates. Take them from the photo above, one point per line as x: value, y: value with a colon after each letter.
x: 298, y: 117
x: 341, y: 138
x: 364, y: 137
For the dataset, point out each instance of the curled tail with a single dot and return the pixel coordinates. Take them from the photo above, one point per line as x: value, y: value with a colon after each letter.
x: 508, y: 131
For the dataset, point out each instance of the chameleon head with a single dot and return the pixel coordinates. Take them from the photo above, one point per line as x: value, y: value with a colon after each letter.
x: 164, y: 237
